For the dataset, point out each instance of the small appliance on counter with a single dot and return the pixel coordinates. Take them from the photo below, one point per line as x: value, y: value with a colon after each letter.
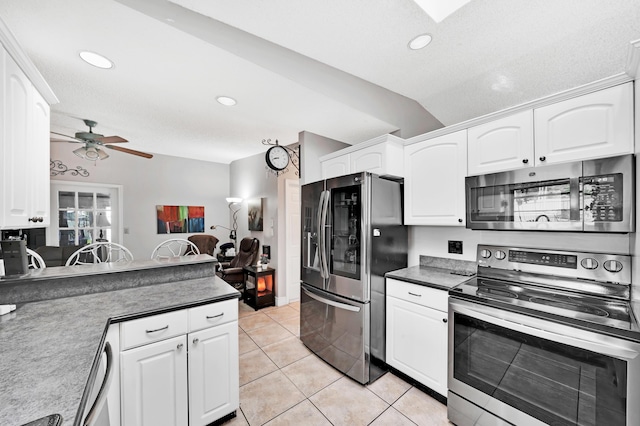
x: 14, y: 257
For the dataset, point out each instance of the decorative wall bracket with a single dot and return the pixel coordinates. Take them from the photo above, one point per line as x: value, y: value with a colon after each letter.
x: 57, y: 167
x: 294, y: 156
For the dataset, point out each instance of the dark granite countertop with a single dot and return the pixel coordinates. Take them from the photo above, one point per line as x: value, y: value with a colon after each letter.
x: 49, y: 347
x: 436, y: 272
x: 58, y: 272
x: 443, y: 279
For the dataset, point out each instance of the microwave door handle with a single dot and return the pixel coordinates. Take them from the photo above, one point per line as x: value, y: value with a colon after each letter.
x: 602, y: 348
x: 575, y: 204
x: 323, y: 236
x: 104, y: 388
x: 331, y: 302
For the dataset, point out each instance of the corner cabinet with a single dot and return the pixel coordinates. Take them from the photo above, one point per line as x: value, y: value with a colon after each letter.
x: 595, y: 125
x: 434, y: 180
x: 181, y: 368
x: 24, y: 144
x: 417, y: 332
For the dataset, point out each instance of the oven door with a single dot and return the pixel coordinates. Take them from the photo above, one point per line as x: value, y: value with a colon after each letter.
x: 509, y: 367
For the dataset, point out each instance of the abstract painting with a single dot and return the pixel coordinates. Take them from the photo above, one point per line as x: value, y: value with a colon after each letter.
x: 180, y: 219
x: 254, y: 207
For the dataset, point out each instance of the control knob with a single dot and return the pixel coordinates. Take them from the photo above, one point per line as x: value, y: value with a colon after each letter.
x: 613, y: 266
x: 485, y: 254
x: 500, y: 255
x: 589, y: 263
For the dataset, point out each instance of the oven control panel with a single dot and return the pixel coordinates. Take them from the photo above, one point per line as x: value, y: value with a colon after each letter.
x: 612, y: 268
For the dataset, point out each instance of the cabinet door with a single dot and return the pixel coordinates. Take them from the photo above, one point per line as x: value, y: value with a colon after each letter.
x: 335, y: 167
x: 213, y: 373
x: 417, y: 342
x: 384, y: 158
x: 504, y: 144
x: 599, y: 124
x: 434, y: 181
x: 154, y: 384
x: 39, y: 160
x: 17, y: 110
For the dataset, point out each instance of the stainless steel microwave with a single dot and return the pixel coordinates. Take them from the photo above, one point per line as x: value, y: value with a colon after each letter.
x: 585, y: 196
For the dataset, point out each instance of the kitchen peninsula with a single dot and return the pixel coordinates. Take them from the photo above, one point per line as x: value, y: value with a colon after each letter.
x: 52, y: 343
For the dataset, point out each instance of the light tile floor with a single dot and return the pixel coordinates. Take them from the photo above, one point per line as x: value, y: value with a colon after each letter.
x: 283, y: 383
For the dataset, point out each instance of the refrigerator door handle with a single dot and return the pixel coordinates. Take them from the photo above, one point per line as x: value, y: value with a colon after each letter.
x: 331, y: 302
x: 323, y: 236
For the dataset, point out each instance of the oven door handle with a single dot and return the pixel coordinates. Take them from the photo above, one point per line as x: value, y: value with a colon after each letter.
x: 480, y: 312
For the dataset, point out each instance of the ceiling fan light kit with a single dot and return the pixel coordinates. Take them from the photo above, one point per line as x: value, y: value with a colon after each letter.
x: 91, y: 153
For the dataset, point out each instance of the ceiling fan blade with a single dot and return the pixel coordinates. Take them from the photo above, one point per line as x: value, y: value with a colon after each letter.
x: 111, y: 139
x: 129, y: 151
x: 60, y: 137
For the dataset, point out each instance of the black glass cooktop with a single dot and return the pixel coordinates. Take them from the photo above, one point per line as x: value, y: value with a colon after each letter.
x: 594, y: 309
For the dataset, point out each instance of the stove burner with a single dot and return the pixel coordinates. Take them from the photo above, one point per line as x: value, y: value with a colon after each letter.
x: 496, y: 292
x: 576, y: 307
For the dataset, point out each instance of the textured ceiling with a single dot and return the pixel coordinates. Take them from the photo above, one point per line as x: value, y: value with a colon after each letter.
x: 337, y: 68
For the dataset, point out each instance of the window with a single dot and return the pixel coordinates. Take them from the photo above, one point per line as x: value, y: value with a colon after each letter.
x: 85, y: 214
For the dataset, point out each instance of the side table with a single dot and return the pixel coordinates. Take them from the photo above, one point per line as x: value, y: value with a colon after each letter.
x: 260, y: 289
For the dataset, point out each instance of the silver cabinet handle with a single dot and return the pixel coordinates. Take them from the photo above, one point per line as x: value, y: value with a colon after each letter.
x: 215, y: 316
x: 157, y: 329
x: 413, y: 294
x: 180, y: 345
x: 195, y: 341
x: 102, y: 393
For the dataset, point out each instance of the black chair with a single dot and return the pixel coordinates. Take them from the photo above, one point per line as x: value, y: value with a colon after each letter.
x: 232, y: 272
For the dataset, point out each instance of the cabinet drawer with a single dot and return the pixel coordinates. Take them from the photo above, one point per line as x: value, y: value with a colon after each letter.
x: 152, y: 329
x: 213, y: 314
x: 425, y: 296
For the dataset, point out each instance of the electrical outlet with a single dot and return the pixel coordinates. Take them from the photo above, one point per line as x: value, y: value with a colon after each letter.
x: 455, y: 247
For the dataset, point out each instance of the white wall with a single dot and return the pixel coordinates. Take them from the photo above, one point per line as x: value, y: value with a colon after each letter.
x: 312, y: 147
x: 432, y: 241
x: 162, y: 180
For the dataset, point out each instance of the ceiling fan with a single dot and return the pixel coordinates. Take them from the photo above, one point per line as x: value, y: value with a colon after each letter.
x: 93, y: 142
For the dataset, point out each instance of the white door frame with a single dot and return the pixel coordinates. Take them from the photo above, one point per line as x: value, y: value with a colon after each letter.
x: 292, y: 246
x: 119, y: 231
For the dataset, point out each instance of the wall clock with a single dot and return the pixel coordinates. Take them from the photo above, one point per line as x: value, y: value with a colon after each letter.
x: 277, y: 158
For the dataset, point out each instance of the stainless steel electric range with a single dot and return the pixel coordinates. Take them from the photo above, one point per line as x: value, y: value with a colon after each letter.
x: 544, y: 337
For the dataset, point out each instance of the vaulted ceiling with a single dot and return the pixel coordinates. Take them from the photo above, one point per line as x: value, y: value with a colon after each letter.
x: 338, y: 68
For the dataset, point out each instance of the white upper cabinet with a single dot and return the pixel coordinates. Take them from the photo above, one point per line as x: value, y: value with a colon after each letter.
x: 599, y: 124
x: 338, y: 166
x: 503, y: 144
x: 384, y: 158
x: 381, y: 155
x: 24, y: 139
x: 596, y: 125
x: 434, y: 180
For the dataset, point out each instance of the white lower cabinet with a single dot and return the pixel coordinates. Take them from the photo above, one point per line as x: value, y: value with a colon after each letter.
x: 189, y: 379
x: 154, y: 384
x: 213, y: 373
x: 417, y: 333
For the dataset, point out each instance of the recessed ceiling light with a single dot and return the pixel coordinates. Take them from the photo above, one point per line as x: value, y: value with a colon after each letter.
x: 420, y: 41
x: 96, y: 60
x: 225, y: 100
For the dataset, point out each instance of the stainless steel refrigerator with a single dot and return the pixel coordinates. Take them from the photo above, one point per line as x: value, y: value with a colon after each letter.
x: 352, y: 234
